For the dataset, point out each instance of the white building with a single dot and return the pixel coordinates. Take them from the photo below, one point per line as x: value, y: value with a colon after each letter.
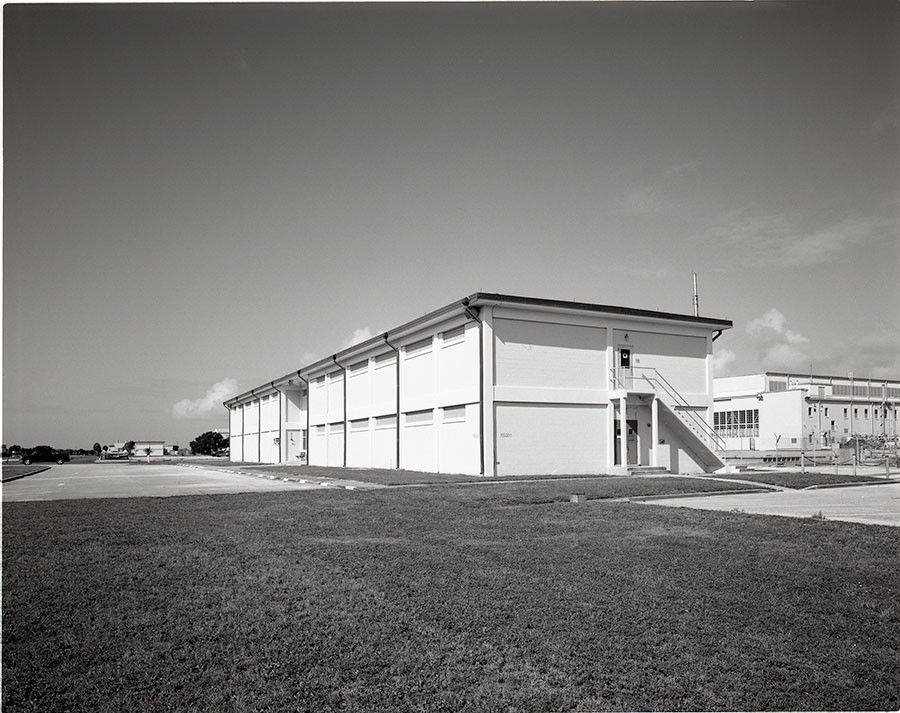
x: 779, y: 410
x: 498, y: 385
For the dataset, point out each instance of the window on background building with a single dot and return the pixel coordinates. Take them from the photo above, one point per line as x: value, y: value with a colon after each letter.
x: 856, y: 413
x: 845, y: 413
x: 865, y: 413
x: 737, y: 424
x: 826, y: 412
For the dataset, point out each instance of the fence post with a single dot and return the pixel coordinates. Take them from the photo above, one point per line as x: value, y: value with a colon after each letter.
x: 854, y: 464
x: 835, y: 464
x: 802, y: 461
x: 887, y: 466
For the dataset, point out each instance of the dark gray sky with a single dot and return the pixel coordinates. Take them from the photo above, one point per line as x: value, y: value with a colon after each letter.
x: 204, y: 197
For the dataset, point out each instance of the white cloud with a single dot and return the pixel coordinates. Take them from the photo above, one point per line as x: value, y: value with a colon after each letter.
x: 198, y: 408
x: 780, y: 240
x: 776, y: 346
x: 722, y: 361
x: 359, y: 335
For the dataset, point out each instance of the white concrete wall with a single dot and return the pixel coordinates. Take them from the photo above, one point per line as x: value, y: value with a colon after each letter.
x: 681, y: 359
x: 748, y: 385
x: 318, y: 445
x: 335, y: 455
x: 540, y: 361
x: 236, y: 449
x: 540, y: 439
x: 384, y: 443
x: 781, y: 416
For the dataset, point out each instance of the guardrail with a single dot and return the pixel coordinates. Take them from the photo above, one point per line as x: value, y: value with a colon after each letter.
x: 675, y: 401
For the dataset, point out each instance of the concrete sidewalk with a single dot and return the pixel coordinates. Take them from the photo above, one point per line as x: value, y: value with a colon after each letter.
x: 121, y: 480
x: 871, y: 505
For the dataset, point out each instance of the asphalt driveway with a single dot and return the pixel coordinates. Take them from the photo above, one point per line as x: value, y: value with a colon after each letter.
x: 121, y: 480
x: 869, y: 504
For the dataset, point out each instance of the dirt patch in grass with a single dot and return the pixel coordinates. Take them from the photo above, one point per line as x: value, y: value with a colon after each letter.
x: 799, y: 479
x: 14, y: 472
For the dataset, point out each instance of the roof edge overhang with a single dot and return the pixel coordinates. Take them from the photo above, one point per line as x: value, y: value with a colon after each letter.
x: 460, y: 307
x: 567, y: 305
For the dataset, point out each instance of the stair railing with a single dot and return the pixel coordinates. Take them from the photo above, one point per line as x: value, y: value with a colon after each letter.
x: 681, y: 408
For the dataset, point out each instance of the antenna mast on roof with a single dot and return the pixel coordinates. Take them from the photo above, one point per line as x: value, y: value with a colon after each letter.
x: 696, y: 298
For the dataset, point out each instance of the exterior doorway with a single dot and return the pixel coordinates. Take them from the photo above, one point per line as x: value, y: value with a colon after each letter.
x: 631, y: 442
x: 296, y: 447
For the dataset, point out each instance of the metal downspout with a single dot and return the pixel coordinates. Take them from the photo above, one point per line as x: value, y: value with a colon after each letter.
x: 397, y: 350
x: 717, y: 334
x: 334, y: 359
x: 308, y: 438
x: 278, y: 391
x: 476, y: 317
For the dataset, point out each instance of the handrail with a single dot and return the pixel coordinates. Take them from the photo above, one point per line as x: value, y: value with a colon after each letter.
x: 663, y: 384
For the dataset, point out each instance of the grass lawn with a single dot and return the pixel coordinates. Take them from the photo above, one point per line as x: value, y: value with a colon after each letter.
x: 804, y: 480
x: 441, y: 599
x: 393, y: 476
x: 14, y: 472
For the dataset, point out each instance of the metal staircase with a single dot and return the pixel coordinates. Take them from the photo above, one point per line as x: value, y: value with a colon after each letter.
x: 707, y: 445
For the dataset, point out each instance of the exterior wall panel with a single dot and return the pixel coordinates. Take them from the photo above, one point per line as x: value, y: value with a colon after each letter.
x: 547, y: 355
x: 236, y: 448
x: 538, y: 439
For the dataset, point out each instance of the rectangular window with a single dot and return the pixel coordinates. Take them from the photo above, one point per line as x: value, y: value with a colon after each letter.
x: 856, y: 413
x: 809, y: 411
x: 385, y: 359
x: 845, y: 413
x: 454, y: 414
x: 360, y: 424
x: 826, y: 412
x: 453, y: 336
x: 336, y: 427
x: 359, y: 367
x: 423, y: 346
x: 865, y: 413
x: 386, y: 422
x: 320, y: 430
x: 420, y: 418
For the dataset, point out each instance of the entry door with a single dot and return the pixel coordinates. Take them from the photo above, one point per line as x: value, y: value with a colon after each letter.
x: 625, y: 366
x: 631, y: 444
x: 296, y: 445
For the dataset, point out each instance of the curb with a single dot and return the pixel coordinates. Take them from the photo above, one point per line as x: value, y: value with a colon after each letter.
x: 25, y: 475
x: 266, y: 476
x: 848, y: 485
x: 675, y: 496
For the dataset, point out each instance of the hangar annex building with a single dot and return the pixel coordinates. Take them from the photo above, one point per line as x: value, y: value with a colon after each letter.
x: 499, y: 385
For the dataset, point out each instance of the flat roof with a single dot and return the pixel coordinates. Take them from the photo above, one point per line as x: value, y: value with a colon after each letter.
x: 473, y: 300
x: 798, y: 375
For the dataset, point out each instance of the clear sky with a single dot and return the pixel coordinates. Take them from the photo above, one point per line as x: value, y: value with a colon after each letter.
x: 200, y: 198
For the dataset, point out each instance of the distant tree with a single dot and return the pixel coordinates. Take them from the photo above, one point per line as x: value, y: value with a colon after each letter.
x: 15, y: 448
x: 208, y: 443
x: 129, y: 446
x: 97, y: 449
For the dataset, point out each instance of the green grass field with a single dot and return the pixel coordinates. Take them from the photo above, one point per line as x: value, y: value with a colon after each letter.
x: 798, y: 479
x: 14, y: 472
x: 441, y: 599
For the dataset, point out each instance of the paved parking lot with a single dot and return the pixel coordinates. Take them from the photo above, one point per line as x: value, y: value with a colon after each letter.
x: 121, y: 480
x: 870, y: 504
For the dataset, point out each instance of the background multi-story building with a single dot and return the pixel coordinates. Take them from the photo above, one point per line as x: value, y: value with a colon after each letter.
x: 781, y: 410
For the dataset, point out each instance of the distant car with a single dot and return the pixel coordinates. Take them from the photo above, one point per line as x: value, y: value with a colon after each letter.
x: 222, y: 453
x: 44, y: 454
